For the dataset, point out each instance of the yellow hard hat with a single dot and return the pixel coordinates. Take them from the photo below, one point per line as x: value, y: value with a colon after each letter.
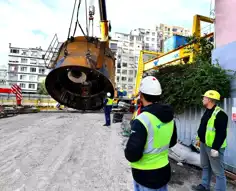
x: 212, y: 94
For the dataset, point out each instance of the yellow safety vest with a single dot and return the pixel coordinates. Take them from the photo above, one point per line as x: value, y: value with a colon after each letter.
x: 110, y: 101
x: 211, y: 131
x: 155, y: 154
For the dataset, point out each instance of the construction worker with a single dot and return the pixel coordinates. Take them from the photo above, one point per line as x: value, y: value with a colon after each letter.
x: 107, y: 109
x: 212, y: 133
x: 153, y: 132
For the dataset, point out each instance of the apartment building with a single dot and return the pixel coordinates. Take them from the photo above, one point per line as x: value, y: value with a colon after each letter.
x: 167, y: 31
x: 26, y: 68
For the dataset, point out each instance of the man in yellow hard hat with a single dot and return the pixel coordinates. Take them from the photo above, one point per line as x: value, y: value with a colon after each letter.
x: 153, y: 132
x: 212, y: 134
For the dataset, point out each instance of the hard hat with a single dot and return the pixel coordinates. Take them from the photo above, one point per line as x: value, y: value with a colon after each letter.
x: 150, y: 86
x: 108, y: 94
x: 212, y: 94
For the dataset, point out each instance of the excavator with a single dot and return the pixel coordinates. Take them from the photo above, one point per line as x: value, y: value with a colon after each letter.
x: 82, y: 67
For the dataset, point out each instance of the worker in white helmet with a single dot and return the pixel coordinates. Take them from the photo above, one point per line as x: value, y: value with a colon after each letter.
x: 107, y: 109
x: 153, y: 132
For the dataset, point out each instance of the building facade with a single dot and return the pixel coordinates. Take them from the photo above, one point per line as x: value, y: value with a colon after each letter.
x: 3, y: 75
x: 26, y: 68
x: 167, y: 31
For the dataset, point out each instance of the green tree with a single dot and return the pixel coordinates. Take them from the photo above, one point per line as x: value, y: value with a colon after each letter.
x: 42, y: 89
x: 184, y: 84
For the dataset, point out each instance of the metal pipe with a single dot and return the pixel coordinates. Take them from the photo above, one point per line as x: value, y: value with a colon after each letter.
x: 102, y: 9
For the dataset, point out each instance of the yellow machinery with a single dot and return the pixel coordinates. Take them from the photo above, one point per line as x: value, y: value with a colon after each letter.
x: 83, y: 67
x: 181, y: 54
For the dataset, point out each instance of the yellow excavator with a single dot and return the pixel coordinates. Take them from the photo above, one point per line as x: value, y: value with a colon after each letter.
x: 82, y: 67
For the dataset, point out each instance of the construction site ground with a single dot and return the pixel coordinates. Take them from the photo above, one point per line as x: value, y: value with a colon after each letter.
x: 70, y: 152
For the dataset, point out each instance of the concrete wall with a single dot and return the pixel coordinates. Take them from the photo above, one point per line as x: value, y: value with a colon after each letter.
x: 225, y: 28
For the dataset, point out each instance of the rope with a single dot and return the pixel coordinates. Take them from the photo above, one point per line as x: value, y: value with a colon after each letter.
x: 86, y: 12
x: 72, y: 19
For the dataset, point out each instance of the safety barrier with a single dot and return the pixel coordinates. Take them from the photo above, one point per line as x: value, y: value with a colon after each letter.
x: 29, y: 99
x: 188, y: 123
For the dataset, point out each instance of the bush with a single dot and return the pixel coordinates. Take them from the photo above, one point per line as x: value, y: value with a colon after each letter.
x: 184, y: 84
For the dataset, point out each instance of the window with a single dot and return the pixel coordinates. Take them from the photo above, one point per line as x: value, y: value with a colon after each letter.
x: 124, y: 64
x: 24, y: 52
x: 22, y: 85
x: 174, y: 29
x: 41, y: 71
x: 23, y: 69
x: 32, y: 78
x: 130, y: 79
x: 153, y: 33
x: 23, y: 77
x: 33, y: 61
x: 32, y: 69
x: 113, y: 45
x: 118, y: 78
x: 12, y: 68
x: 131, y: 58
x: 124, y: 71
x: 24, y: 60
x: 147, y: 39
x: 118, y: 71
x: 153, y: 39
x: 130, y: 87
x: 34, y: 53
x: 131, y: 72
x: 31, y: 86
x: 123, y: 78
x: 15, y: 51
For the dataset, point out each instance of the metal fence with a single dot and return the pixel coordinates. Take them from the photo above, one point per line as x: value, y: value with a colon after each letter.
x: 188, y: 123
x: 28, y: 99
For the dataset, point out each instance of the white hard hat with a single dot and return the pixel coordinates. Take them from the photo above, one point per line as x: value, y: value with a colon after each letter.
x: 108, y: 94
x: 150, y: 86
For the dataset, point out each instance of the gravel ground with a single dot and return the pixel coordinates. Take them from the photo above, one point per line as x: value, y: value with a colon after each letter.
x: 69, y: 152
x: 66, y: 152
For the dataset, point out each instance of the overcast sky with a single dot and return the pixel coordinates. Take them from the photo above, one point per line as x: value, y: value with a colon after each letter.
x: 32, y: 23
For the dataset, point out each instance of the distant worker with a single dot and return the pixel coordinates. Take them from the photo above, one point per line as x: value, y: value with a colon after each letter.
x: 153, y: 132
x: 107, y: 109
x: 212, y: 133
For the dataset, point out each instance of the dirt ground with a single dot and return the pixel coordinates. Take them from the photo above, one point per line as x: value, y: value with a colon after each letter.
x: 69, y: 152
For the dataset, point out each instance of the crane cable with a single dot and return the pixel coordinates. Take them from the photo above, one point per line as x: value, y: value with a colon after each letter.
x: 72, y: 18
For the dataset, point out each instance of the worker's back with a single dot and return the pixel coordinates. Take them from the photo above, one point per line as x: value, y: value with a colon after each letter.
x: 157, y: 171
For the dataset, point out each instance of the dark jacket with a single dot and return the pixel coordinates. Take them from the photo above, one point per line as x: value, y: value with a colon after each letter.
x: 134, y: 149
x: 221, y: 123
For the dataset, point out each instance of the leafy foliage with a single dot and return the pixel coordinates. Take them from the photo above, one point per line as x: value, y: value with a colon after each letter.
x: 42, y: 88
x: 184, y: 84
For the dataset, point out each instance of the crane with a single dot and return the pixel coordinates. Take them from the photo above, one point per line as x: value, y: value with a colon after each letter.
x: 179, y: 54
x: 82, y: 67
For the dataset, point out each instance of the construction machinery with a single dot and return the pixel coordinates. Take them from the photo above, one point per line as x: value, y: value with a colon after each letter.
x: 82, y: 67
x: 182, y: 54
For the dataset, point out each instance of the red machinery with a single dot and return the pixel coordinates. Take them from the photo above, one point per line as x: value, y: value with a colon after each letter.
x: 15, y: 89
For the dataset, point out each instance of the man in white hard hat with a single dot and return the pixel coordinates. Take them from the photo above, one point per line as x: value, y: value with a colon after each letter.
x: 153, y: 132
x: 107, y: 109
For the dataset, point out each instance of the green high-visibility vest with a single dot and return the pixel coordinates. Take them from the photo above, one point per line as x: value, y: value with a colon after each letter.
x: 110, y: 101
x: 211, y: 131
x: 155, y: 154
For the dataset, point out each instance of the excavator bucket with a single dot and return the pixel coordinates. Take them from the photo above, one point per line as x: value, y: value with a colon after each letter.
x: 82, y: 72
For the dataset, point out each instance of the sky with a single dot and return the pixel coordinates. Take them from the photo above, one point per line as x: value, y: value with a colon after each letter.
x: 33, y: 23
